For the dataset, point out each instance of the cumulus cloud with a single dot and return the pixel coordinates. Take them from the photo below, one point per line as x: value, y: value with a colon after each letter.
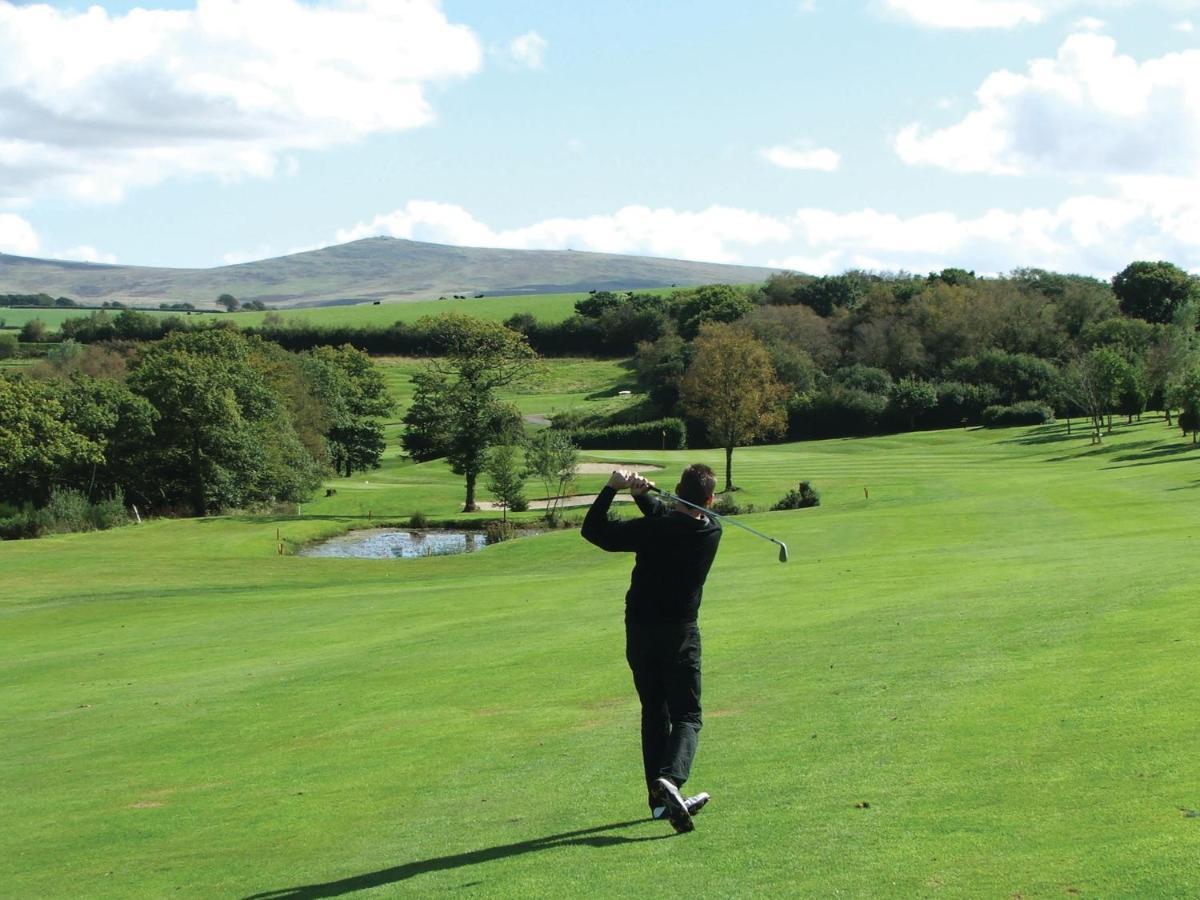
x: 1089, y: 110
x: 713, y: 234
x: 86, y: 253
x: 529, y: 49
x: 17, y: 236
x: 93, y: 104
x: 819, y: 159
x: 1184, y: 27
x: 979, y: 14
x: 1154, y: 218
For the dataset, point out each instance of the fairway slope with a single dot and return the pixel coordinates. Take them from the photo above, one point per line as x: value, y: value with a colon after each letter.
x: 977, y: 681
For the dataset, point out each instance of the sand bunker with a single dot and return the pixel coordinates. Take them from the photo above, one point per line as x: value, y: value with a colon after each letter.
x: 603, y: 468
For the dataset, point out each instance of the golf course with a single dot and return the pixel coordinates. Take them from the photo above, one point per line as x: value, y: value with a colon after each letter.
x: 975, y: 677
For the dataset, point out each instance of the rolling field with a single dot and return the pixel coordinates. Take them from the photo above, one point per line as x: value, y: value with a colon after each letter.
x: 979, y: 682
x: 545, y: 307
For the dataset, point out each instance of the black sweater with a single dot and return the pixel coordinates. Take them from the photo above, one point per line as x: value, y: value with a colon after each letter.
x: 674, y: 553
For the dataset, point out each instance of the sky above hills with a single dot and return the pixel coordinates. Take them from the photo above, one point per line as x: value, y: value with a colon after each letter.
x: 808, y: 134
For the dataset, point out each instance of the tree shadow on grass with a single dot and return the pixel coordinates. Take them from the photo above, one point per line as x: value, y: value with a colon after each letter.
x: 1156, y: 457
x: 586, y: 837
x: 1103, y: 450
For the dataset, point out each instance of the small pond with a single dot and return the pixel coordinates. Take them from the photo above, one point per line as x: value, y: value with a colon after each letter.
x: 387, y: 543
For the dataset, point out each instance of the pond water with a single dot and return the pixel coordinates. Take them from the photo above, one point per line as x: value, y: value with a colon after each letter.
x: 387, y: 543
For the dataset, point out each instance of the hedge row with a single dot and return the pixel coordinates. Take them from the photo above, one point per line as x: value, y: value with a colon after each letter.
x: 1029, y: 412
x: 661, y: 434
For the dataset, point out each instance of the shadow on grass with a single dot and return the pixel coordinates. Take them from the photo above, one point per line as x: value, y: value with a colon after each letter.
x: 586, y: 837
x: 1155, y: 457
x: 1103, y: 450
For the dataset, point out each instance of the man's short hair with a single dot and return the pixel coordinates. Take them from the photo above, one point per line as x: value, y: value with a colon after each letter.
x: 696, y: 484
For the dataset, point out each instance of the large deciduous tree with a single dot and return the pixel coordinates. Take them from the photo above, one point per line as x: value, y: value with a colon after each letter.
x: 355, y: 397
x: 455, y: 412
x: 731, y: 387
x: 37, y: 440
x: 223, y: 438
x: 1153, y: 290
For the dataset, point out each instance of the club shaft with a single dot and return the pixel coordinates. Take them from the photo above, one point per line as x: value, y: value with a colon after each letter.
x: 709, y: 512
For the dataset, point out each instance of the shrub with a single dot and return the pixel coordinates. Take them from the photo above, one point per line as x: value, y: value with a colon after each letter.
x: 67, y: 511
x: 519, y: 504
x: 642, y: 436
x: 9, y: 346
x: 801, y: 497
x: 109, y: 513
x: 1028, y: 412
x: 496, y: 532
x: 418, y: 520
x: 727, y: 506
x: 16, y: 524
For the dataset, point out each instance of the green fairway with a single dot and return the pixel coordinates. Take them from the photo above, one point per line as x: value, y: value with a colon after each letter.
x: 978, y: 682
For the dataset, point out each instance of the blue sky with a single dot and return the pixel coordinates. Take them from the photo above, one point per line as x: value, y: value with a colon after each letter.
x: 810, y: 134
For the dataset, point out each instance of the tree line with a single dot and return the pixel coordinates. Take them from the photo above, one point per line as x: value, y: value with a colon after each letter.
x: 200, y: 421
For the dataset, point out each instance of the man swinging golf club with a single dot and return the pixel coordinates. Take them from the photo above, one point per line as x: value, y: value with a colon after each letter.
x: 675, y: 546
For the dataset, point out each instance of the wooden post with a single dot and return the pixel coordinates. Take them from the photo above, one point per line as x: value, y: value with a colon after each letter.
x: 866, y: 493
x: 137, y: 514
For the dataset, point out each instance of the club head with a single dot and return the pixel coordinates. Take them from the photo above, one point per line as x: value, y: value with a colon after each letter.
x: 782, y: 551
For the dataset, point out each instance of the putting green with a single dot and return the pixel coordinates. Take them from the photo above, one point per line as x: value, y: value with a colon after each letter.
x: 980, y: 681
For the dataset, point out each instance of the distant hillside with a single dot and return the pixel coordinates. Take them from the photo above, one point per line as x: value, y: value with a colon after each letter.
x: 371, y: 269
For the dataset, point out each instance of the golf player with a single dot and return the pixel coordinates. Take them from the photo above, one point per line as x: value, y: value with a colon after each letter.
x: 674, y: 546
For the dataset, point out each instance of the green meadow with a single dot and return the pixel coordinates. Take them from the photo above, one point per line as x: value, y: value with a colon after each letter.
x: 978, y: 681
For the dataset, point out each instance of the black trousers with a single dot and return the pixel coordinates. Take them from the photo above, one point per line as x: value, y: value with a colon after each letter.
x: 665, y: 661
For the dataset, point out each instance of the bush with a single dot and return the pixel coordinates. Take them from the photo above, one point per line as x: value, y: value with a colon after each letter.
x: 1026, y: 413
x: 109, y: 513
x: 496, y: 532
x: 642, y: 436
x: 519, y: 504
x: 801, y: 497
x: 9, y: 346
x: 727, y: 506
x: 837, y: 412
x: 418, y: 520
x: 17, y: 524
x: 67, y: 511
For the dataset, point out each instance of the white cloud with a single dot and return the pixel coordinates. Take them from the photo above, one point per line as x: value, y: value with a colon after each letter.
x: 806, y: 6
x: 1087, y: 111
x: 711, y: 234
x: 95, y: 104
x: 967, y: 14
x: 17, y: 236
x: 978, y: 14
x: 818, y: 159
x: 529, y: 49
x: 1184, y: 27
x: 86, y: 253
x: 1095, y: 234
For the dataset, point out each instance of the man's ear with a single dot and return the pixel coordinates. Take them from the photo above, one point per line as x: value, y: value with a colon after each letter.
x: 709, y: 501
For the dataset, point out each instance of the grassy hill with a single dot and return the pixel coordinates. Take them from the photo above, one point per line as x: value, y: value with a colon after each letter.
x: 371, y: 269
x: 980, y: 681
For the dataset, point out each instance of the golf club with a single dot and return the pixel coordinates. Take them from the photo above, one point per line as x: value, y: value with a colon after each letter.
x: 783, y: 554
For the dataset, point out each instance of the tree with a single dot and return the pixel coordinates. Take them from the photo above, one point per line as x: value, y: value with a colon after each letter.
x: 36, y: 440
x: 355, y: 397
x: 33, y: 332
x: 1184, y: 395
x: 911, y: 397
x: 9, y: 346
x: 455, y: 412
x: 505, y: 479
x: 731, y: 387
x: 228, y: 301
x: 552, y: 457
x: 1153, y: 290
x: 711, y: 303
x: 223, y: 437
x: 1093, y: 382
